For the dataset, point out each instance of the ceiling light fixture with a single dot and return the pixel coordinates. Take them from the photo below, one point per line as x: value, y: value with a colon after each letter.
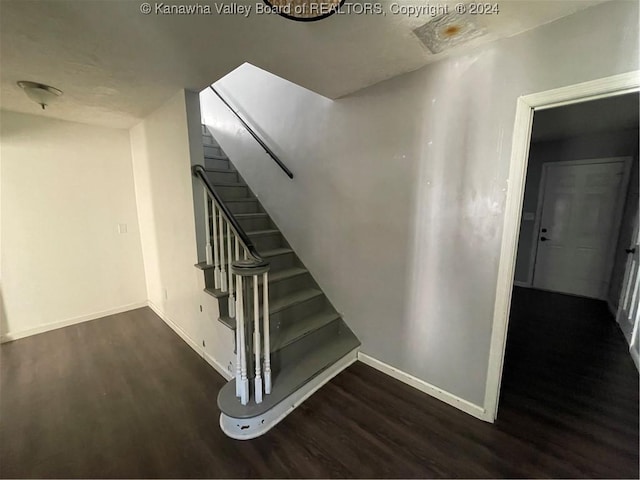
x: 42, y: 94
x: 448, y: 30
x: 304, y: 10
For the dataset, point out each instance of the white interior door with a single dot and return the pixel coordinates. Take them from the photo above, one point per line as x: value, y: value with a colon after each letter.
x: 628, y: 315
x: 581, y: 208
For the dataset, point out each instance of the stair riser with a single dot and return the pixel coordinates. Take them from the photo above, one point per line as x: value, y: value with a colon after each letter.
x: 227, y: 192
x: 267, y: 242
x: 295, y: 350
x: 259, y: 223
x: 280, y: 262
x: 290, y: 285
x: 243, y: 207
x: 209, y: 140
x: 295, y: 312
x: 213, y: 150
x: 223, y: 177
x: 217, y: 163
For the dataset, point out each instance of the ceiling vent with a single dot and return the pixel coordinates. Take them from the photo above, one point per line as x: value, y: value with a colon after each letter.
x: 448, y: 30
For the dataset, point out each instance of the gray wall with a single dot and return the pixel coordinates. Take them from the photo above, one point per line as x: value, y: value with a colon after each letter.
x: 614, y: 144
x: 397, y: 205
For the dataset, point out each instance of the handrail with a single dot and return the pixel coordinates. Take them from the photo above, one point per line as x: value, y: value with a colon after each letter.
x: 200, y: 172
x: 255, y: 136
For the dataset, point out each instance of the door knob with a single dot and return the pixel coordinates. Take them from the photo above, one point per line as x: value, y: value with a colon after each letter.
x: 543, y: 239
x: 630, y: 250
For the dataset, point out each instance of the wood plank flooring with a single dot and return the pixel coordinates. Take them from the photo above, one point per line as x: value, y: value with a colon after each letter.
x: 123, y: 396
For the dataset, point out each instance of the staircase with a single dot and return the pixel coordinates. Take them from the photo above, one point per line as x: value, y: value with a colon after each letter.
x: 306, y: 342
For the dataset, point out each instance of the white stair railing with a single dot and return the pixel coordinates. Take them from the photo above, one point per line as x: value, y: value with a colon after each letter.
x: 237, y: 270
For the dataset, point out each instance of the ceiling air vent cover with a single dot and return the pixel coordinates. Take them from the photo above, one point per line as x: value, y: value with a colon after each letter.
x: 448, y: 30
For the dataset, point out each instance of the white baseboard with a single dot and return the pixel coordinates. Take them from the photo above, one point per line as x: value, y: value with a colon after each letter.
x: 175, y: 327
x: 442, y: 395
x: 217, y: 366
x: 10, y: 336
x: 190, y: 341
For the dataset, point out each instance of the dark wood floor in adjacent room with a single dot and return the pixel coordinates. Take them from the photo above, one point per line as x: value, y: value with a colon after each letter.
x: 123, y: 396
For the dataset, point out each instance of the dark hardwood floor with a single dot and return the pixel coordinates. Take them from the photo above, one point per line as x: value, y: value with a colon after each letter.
x: 123, y: 396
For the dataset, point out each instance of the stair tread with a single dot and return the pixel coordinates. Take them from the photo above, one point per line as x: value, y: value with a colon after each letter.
x: 275, y: 252
x: 270, y: 231
x: 301, y: 328
x: 294, y: 298
x: 219, y: 170
x: 216, y: 292
x: 216, y: 157
x: 250, y: 215
x: 290, y: 378
x: 235, y: 184
x: 278, y: 304
x: 286, y: 273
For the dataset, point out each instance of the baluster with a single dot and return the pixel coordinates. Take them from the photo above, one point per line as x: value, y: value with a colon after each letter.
x: 229, y: 273
x: 265, y: 329
x: 239, y: 309
x: 216, y: 254
x: 208, y: 254
x: 256, y: 340
x: 240, y: 330
x: 223, y: 264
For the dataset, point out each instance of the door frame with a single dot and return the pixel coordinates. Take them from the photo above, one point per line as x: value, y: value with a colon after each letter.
x: 525, y: 108
x: 617, y: 221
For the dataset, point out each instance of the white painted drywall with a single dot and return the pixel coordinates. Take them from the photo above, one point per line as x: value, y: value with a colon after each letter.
x: 65, y: 188
x: 163, y: 146
x: 398, y: 198
x: 601, y: 145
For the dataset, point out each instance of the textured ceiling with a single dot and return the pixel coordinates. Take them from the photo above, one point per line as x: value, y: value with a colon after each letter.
x: 116, y: 65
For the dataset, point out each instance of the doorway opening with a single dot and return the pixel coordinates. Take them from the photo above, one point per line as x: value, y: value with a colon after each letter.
x: 598, y: 175
x: 573, y: 308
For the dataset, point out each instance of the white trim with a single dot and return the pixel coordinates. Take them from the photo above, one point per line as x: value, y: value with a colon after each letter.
x: 176, y: 328
x: 440, y: 394
x: 248, y: 428
x: 47, y: 327
x: 189, y: 341
x: 605, y: 87
x: 217, y: 366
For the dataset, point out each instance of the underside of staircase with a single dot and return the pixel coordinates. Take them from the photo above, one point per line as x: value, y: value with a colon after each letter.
x: 309, y: 341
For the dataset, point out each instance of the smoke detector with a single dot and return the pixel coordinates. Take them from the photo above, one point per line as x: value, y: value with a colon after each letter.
x: 448, y: 30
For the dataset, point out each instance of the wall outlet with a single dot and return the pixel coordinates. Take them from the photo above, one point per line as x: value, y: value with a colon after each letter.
x: 122, y: 228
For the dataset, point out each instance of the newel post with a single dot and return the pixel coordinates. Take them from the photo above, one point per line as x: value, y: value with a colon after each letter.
x: 247, y: 274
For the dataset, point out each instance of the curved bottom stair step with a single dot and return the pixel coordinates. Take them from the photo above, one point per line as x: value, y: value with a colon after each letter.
x: 308, y: 358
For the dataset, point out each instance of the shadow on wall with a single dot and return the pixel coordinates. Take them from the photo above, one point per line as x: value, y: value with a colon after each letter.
x: 4, y: 322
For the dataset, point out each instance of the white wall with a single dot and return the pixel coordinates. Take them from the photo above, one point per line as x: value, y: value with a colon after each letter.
x: 163, y: 146
x: 65, y: 188
x: 397, y: 204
